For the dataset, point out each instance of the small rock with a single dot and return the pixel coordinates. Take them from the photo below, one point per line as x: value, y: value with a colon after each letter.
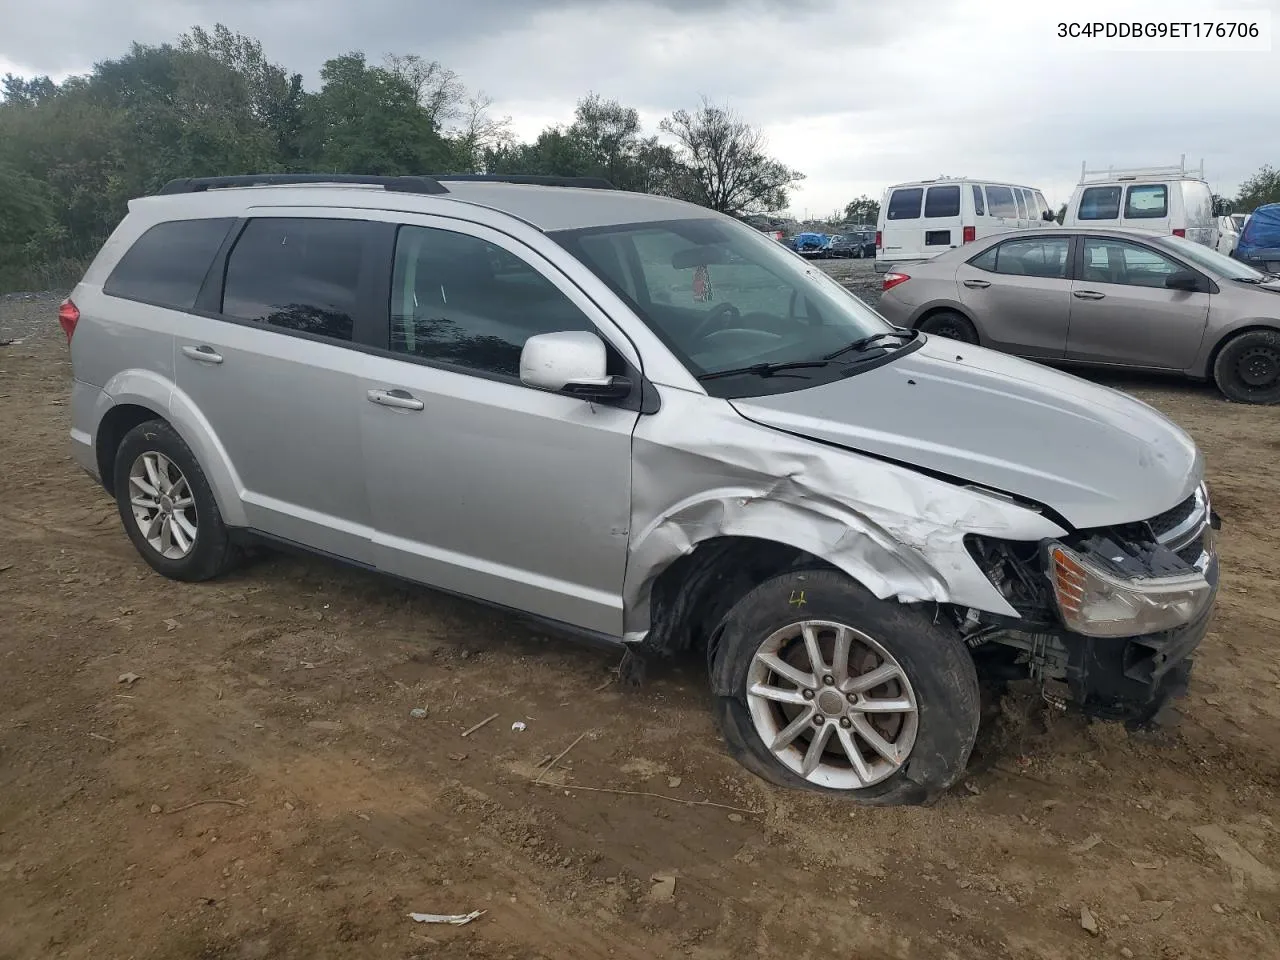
x: 735, y: 818
x: 1088, y: 922
x: 1145, y: 893
x: 673, y: 782
x: 1087, y: 845
x: 128, y: 679
x: 155, y: 808
x: 1050, y: 804
x: 457, y: 757
x: 288, y: 806
x: 170, y: 624
x: 1126, y: 953
x: 972, y: 787
x: 519, y: 726
x: 1217, y: 908
x: 418, y: 713
x: 663, y: 889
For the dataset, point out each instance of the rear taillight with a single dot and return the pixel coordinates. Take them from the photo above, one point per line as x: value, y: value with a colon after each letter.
x: 68, y: 317
x: 970, y: 234
x: 878, y: 243
x: 1180, y: 233
x: 891, y: 280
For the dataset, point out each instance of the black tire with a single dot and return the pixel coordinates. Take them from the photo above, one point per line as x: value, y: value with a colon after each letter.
x: 1247, y: 369
x: 949, y: 324
x: 212, y: 552
x: 935, y: 660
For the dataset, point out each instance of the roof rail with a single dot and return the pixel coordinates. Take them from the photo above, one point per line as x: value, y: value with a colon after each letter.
x: 588, y: 183
x: 396, y: 184
x: 1142, y: 173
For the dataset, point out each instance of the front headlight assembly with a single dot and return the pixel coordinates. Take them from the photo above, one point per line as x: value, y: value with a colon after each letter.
x: 1097, y: 604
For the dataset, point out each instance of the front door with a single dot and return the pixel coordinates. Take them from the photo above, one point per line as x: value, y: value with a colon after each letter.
x: 480, y: 485
x: 1121, y: 311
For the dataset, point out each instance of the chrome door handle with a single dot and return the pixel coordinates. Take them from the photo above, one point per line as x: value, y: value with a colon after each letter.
x: 977, y: 284
x: 400, y: 399
x: 1087, y: 295
x: 203, y: 354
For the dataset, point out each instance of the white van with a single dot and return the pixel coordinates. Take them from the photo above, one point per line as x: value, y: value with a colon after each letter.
x: 1164, y: 200
x: 923, y: 218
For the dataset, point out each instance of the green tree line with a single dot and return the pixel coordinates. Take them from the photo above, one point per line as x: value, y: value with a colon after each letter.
x: 73, y: 154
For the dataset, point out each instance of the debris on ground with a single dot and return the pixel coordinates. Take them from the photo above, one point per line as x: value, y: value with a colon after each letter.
x: 489, y: 719
x: 128, y: 679
x: 518, y: 726
x: 1088, y: 921
x: 663, y: 889
x: 1240, y: 862
x: 418, y: 713
x: 456, y: 919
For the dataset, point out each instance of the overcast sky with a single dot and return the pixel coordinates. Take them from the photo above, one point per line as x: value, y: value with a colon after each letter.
x: 858, y: 94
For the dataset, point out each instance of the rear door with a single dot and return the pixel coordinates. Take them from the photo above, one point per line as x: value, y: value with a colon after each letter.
x: 1019, y: 293
x: 1122, y: 312
x: 943, y: 227
x: 902, y: 236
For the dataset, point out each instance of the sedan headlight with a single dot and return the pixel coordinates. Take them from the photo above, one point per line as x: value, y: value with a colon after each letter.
x: 1095, y: 603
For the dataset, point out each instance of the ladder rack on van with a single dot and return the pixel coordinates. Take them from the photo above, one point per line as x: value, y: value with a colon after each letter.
x: 1181, y: 171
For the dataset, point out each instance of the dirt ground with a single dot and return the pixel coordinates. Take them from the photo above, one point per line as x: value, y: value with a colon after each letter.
x: 262, y: 789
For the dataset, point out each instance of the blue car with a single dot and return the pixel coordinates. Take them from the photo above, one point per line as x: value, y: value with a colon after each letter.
x: 814, y: 245
x: 1259, y: 243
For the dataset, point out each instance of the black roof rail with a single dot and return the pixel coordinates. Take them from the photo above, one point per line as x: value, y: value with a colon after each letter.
x: 396, y: 184
x: 588, y: 183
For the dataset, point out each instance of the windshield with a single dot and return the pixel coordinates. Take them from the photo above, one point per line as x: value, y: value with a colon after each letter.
x: 723, y: 297
x: 1207, y: 258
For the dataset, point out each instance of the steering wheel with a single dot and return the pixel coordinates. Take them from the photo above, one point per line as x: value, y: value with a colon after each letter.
x: 722, y: 314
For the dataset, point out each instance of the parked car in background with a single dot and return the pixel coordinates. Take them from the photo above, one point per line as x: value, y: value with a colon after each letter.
x: 1229, y: 233
x: 1259, y: 244
x: 1120, y: 298
x: 924, y: 218
x: 642, y: 422
x: 856, y: 244
x: 811, y: 245
x: 1170, y: 200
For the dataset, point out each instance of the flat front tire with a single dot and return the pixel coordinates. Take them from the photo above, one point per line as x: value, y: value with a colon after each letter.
x: 822, y: 686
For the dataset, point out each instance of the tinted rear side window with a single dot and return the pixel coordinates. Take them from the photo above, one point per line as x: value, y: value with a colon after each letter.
x: 166, y: 265
x: 905, y: 204
x: 300, y: 274
x: 1000, y: 202
x: 979, y: 207
x: 942, y: 202
x: 1100, y: 203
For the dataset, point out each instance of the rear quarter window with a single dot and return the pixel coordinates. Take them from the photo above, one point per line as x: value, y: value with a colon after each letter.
x: 905, y: 204
x: 1100, y: 203
x: 942, y: 202
x: 166, y: 266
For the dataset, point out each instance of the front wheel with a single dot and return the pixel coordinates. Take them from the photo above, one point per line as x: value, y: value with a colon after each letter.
x: 1248, y: 367
x: 823, y: 686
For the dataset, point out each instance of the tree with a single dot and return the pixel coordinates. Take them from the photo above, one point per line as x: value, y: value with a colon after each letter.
x: 862, y: 210
x: 723, y: 164
x: 476, y: 133
x: 27, y: 93
x: 1262, y: 188
x: 435, y: 87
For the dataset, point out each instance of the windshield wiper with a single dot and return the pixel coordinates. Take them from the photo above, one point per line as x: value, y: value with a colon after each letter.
x: 765, y: 369
x: 875, y: 338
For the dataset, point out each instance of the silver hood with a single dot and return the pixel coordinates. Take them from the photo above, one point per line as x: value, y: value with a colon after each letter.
x: 1094, y: 455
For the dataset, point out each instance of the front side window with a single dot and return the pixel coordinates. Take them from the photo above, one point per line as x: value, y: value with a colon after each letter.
x: 464, y: 301
x: 905, y: 204
x: 1000, y: 202
x: 1100, y: 203
x: 1043, y: 257
x: 299, y: 274
x: 942, y: 202
x: 722, y: 297
x: 1118, y: 261
x: 1147, y: 201
x: 167, y: 264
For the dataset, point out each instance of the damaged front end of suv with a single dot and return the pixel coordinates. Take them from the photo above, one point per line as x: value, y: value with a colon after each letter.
x: 1107, y: 617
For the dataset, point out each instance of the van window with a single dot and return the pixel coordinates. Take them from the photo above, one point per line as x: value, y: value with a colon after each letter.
x: 905, y: 204
x: 1150, y: 200
x: 1000, y: 202
x: 166, y: 265
x: 942, y: 202
x: 1020, y: 198
x: 979, y: 207
x: 301, y: 274
x: 1044, y: 257
x: 1100, y: 203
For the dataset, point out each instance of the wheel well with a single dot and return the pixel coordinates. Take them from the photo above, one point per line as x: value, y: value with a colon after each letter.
x: 118, y: 421
x: 1221, y: 344
x: 935, y: 310
x: 692, y: 595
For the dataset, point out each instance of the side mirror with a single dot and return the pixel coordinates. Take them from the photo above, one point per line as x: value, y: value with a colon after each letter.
x: 573, y: 362
x: 1183, y: 280
x: 1049, y: 216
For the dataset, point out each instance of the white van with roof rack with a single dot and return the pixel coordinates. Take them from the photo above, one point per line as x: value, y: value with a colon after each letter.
x: 923, y: 218
x: 1163, y: 200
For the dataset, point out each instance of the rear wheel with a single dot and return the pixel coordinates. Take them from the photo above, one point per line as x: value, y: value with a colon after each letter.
x: 949, y: 324
x: 1248, y: 367
x: 824, y: 687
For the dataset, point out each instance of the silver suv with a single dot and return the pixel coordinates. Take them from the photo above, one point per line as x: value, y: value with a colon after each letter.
x: 648, y: 423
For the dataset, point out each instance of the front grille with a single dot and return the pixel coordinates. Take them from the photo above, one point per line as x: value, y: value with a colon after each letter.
x: 1170, y: 519
x: 1180, y: 528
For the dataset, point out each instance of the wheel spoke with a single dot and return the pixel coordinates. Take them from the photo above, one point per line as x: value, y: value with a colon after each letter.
x: 152, y: 467
x: 850, y: 747
x: 188, y: 528
x: 786, y: 670
x: 151, y: 526
x: 145, y: 486
x: 180, y: 538
x: 183, y: 503
x: 813, y: 756
x: 872, y: 679
x: 877, y: 743
x: 145, y: 502
x: 883, y: 705
x: 777, y: 694
x: 816, y: 663
x: 840, y: 656
x: 166, y: 536
x: 787, y: 735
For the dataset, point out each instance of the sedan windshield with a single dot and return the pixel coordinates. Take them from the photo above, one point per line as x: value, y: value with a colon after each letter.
x: 733, y: 305
x: 1209, y: 259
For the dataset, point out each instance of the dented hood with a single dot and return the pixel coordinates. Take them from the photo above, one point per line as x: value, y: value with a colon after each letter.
x: 1094, y: 455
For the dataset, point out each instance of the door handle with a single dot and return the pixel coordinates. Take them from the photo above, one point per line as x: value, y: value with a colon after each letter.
x: 203, y: 354
x: 1087, y: 295
x: 977, y: 284
x: 400, y: 399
